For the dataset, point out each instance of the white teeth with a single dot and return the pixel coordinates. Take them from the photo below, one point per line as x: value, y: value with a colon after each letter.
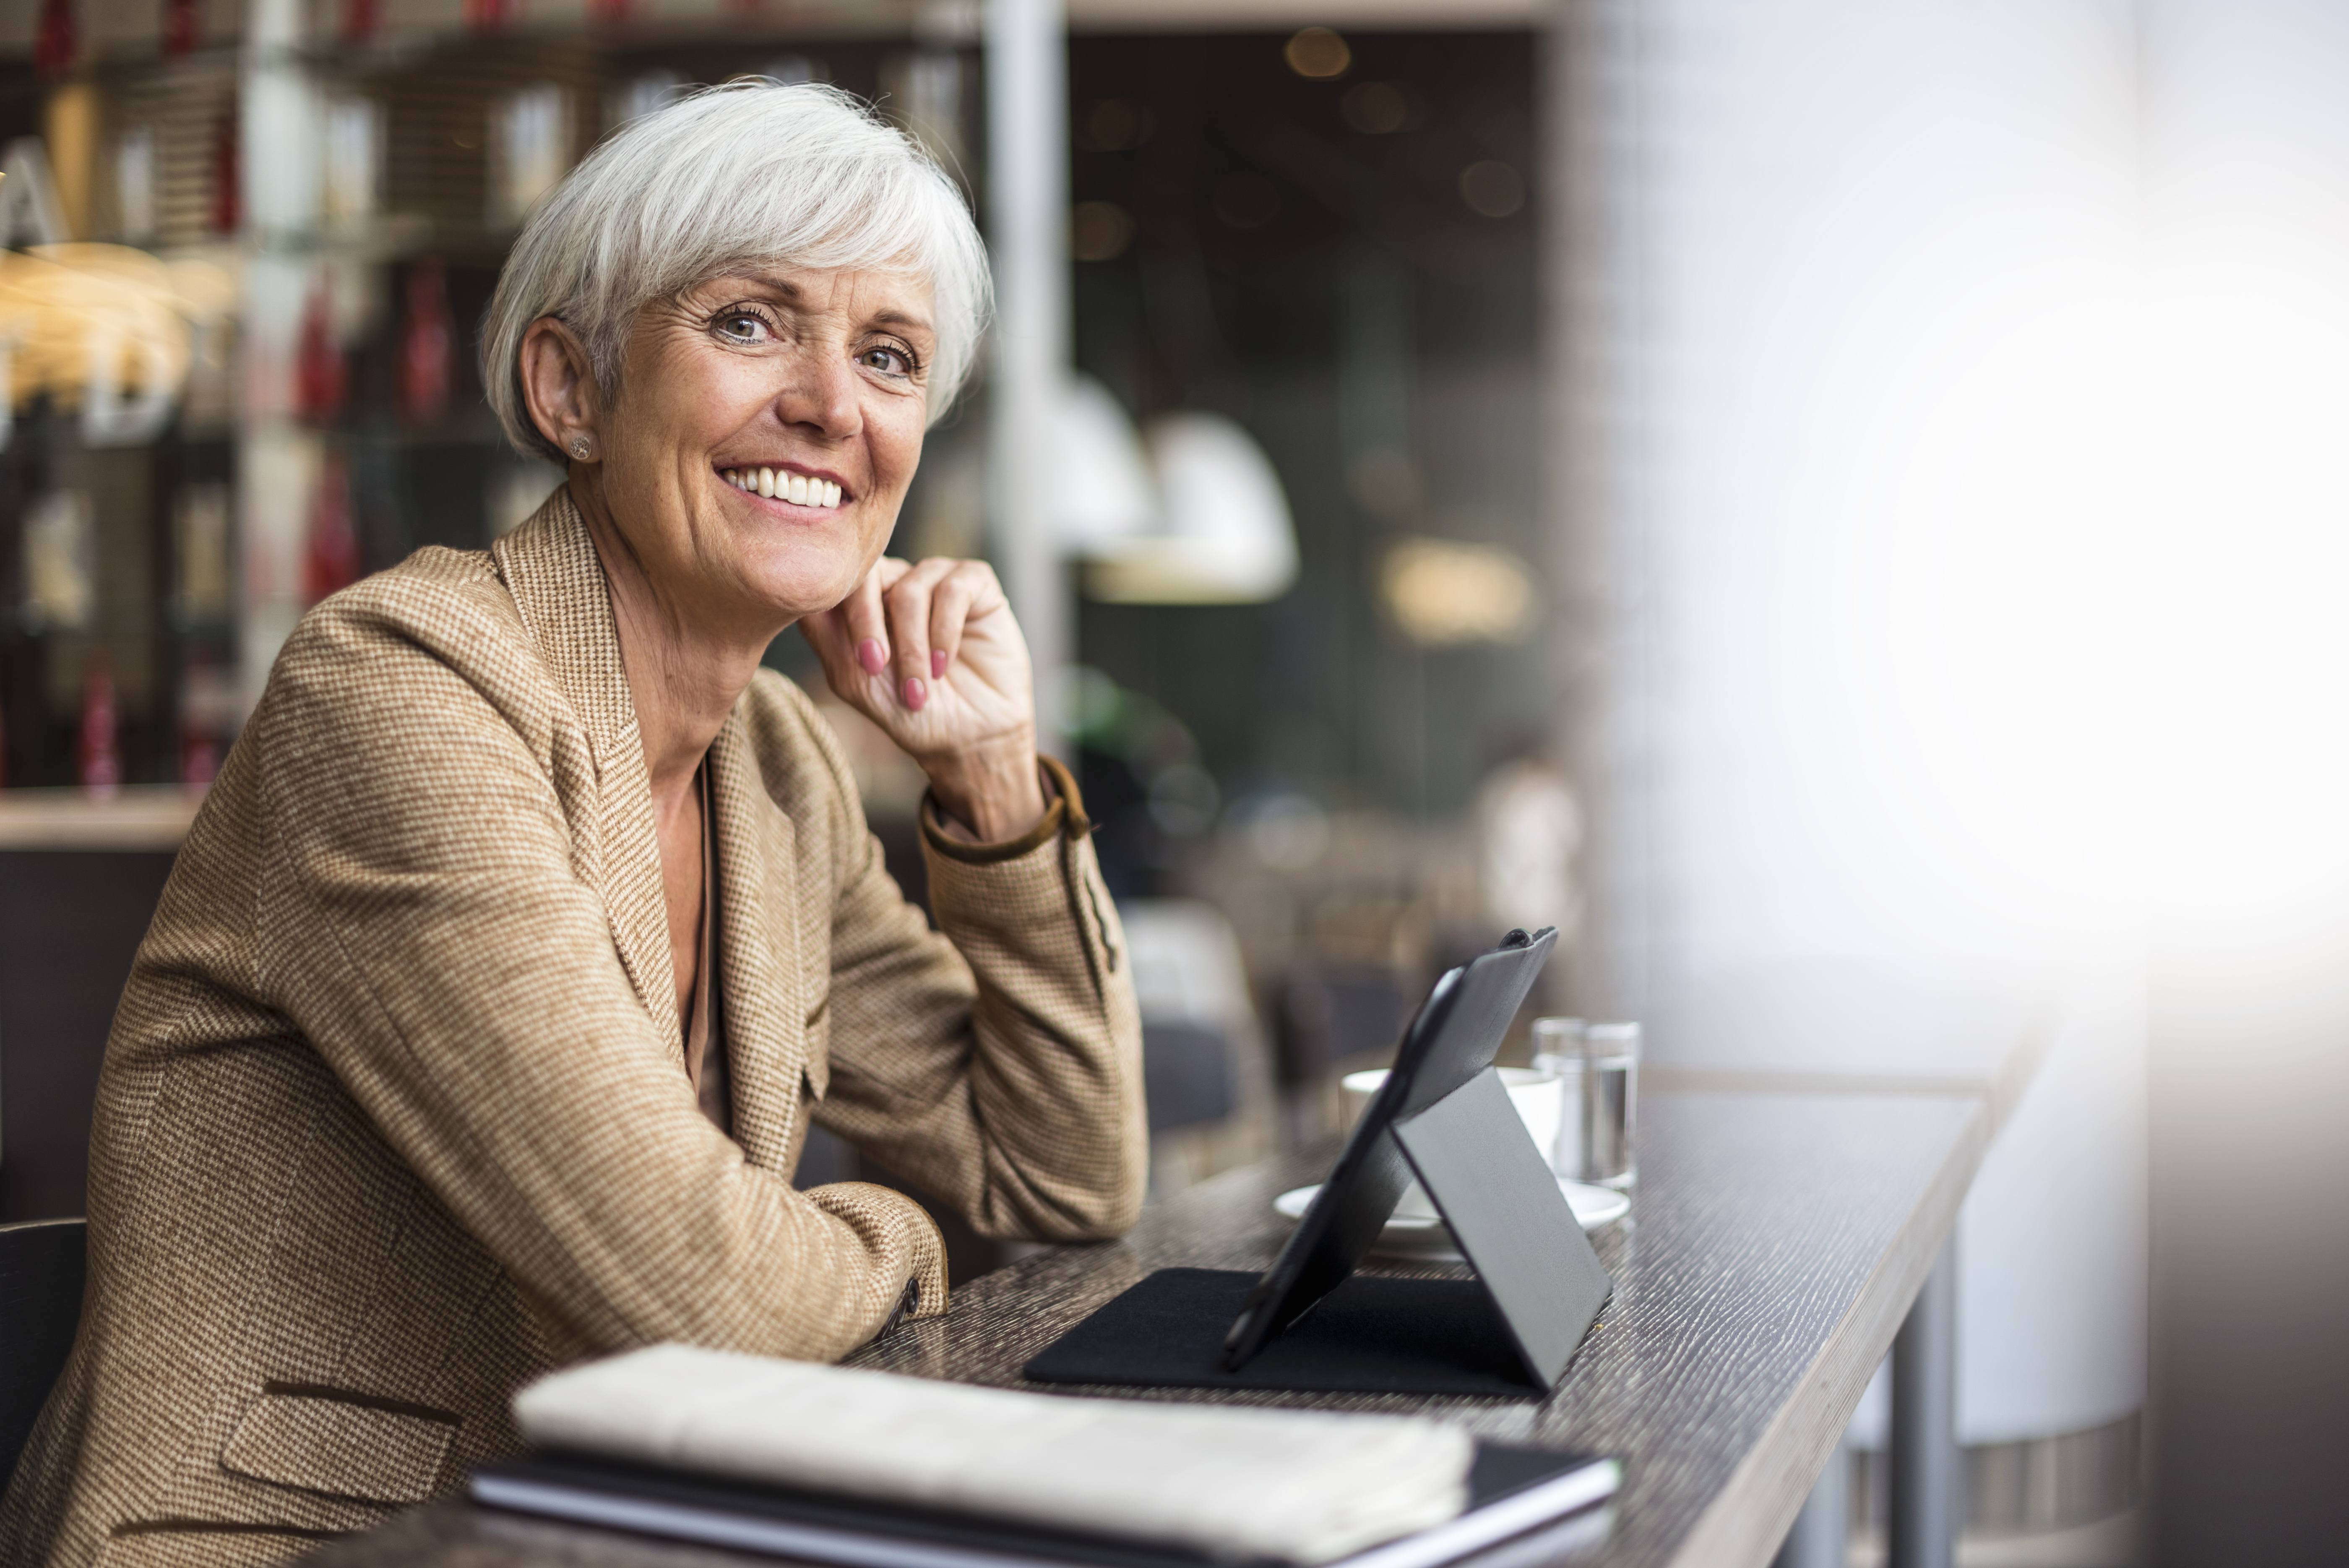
x: 783, y: 486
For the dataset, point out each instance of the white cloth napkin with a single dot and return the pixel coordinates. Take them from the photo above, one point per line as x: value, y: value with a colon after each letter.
x: 1293, y: 1485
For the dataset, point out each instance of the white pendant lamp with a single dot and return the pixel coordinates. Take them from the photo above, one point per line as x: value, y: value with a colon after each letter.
x: 1221, y: 534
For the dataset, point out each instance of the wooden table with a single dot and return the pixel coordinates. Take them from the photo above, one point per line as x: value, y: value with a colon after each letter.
x: 1775, y: 1245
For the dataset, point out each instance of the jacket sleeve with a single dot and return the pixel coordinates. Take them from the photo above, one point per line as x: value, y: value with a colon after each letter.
x: 429, y: 926
x: 995, y: 1062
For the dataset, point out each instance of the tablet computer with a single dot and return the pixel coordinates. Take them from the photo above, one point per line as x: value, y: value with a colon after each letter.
x: 1452, y: 1037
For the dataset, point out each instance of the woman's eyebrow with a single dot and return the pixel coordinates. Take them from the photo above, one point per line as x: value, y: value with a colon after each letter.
x: 904, y: 322
x: 782, y: 286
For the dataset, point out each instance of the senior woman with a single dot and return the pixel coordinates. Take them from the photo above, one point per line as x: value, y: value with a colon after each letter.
x: 531, y: 922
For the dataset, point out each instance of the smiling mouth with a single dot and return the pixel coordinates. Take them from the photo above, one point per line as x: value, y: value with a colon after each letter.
x: 782, y: 485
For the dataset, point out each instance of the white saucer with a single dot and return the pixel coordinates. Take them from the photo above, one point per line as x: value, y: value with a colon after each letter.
x: 1424, y: 1237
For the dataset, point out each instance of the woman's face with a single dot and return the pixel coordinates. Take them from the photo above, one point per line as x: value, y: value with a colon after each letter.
x: 818, y: 379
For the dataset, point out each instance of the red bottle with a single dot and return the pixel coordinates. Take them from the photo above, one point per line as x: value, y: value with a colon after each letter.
x: 427, y: 339
x: 58, y: 42
x: 198, y: 759
x: 99, y: 757
x: 182, y: 27
x: 228, y: 196
x: 319, y: 362
x: 202, y: 693
x: 330, y: 556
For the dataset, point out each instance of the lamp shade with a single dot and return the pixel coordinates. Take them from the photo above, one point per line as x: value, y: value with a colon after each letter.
x: 1222, y: 533
x: 1107, y: 494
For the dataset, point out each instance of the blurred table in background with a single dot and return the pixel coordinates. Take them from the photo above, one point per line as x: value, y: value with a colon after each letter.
x: 1854, y: 1026
x: 1776, y: 1241
x: 79, y: 879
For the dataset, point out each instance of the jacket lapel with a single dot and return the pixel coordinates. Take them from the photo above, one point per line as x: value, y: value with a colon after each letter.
x: 549, y: 567
x: 758, y: 957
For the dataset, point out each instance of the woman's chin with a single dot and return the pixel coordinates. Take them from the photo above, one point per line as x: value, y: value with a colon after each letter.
x: 800, y: 582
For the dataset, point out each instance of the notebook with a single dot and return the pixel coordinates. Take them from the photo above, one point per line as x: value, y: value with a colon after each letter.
x: 1292, y: 1486
x: 1512, y: 1491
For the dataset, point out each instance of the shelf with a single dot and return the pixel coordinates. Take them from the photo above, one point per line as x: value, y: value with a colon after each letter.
x: 142, y: 817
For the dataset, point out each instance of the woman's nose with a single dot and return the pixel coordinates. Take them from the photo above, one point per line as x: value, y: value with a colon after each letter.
x: 819, y: 394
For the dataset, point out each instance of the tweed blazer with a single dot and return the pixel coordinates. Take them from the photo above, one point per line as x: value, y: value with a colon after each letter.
x: 394, y: 1115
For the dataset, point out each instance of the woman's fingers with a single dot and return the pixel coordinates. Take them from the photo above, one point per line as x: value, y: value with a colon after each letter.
x: 867, y: 616
x: 908, y: 601
x: 969, y: 592
x: 852, y: 638
x: 827, y: 633
x: 902, y: 629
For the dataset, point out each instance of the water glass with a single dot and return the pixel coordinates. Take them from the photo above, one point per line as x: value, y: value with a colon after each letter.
x: 1557, y: 1053
x: 1610, y: 1072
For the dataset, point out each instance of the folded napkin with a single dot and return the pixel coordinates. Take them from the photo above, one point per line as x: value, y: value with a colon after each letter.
x: 1295, y: 1485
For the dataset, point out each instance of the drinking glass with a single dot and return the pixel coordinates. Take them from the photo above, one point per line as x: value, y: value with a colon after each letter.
x: 1611, y: 1069
x: 1557, y: 1053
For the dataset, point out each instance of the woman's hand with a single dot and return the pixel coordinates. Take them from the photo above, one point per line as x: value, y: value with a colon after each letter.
x: 932, y: 654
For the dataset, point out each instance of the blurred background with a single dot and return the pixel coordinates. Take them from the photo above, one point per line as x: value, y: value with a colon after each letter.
x: 1838, y: 506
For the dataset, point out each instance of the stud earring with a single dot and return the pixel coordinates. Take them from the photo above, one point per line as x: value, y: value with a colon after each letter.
x: 579, y: 447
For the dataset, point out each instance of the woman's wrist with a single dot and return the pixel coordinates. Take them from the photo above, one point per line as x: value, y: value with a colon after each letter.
x: 994, y: 792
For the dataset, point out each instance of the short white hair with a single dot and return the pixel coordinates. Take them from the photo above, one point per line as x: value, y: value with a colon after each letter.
x: 751, y: 172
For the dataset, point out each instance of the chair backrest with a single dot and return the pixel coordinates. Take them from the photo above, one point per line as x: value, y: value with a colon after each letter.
x: 41, y: 1269
x: 1187, y: 1076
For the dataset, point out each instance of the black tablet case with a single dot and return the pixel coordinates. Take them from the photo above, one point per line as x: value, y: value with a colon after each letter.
x: 1444, y: 1116
x: 1376, y: 1334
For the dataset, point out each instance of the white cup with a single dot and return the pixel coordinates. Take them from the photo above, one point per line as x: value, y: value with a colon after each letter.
x: 1540, y: 1100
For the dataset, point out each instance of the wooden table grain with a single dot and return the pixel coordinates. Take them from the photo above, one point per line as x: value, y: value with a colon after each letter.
x: 1774, y: 1242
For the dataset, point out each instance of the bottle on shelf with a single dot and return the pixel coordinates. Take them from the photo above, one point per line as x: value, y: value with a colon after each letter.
x: 99, y: 756
x: 427, y: 339
x: 318, y: 378
x: 330, y: 553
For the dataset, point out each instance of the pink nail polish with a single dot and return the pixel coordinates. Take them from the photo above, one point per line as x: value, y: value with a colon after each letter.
x: 916, y: 693
x: 872, y: 655
x: 938, y: 663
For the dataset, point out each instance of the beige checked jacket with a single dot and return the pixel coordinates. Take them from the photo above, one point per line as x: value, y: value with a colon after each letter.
x: 395, y: 1113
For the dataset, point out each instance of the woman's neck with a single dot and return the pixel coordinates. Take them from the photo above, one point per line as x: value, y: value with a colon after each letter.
x: 684, y: 672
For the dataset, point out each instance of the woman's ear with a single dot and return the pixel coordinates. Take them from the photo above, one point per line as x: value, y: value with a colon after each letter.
x: 559, y: 389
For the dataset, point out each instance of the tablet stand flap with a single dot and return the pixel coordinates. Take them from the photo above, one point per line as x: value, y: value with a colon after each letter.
x: 1497, y: 1195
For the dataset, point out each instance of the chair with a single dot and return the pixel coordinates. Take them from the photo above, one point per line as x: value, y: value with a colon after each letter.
x: 1187, y: 1076
x: 1203, y: 1065
x: 71, y: 920
x: 41, y: 1265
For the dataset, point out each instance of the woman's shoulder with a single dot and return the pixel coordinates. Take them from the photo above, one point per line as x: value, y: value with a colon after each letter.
x: 439, y: 627
x: 434, y: 590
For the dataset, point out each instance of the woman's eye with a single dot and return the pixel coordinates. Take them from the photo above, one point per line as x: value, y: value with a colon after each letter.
x: 888, y: 361
x: 741, y: 328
